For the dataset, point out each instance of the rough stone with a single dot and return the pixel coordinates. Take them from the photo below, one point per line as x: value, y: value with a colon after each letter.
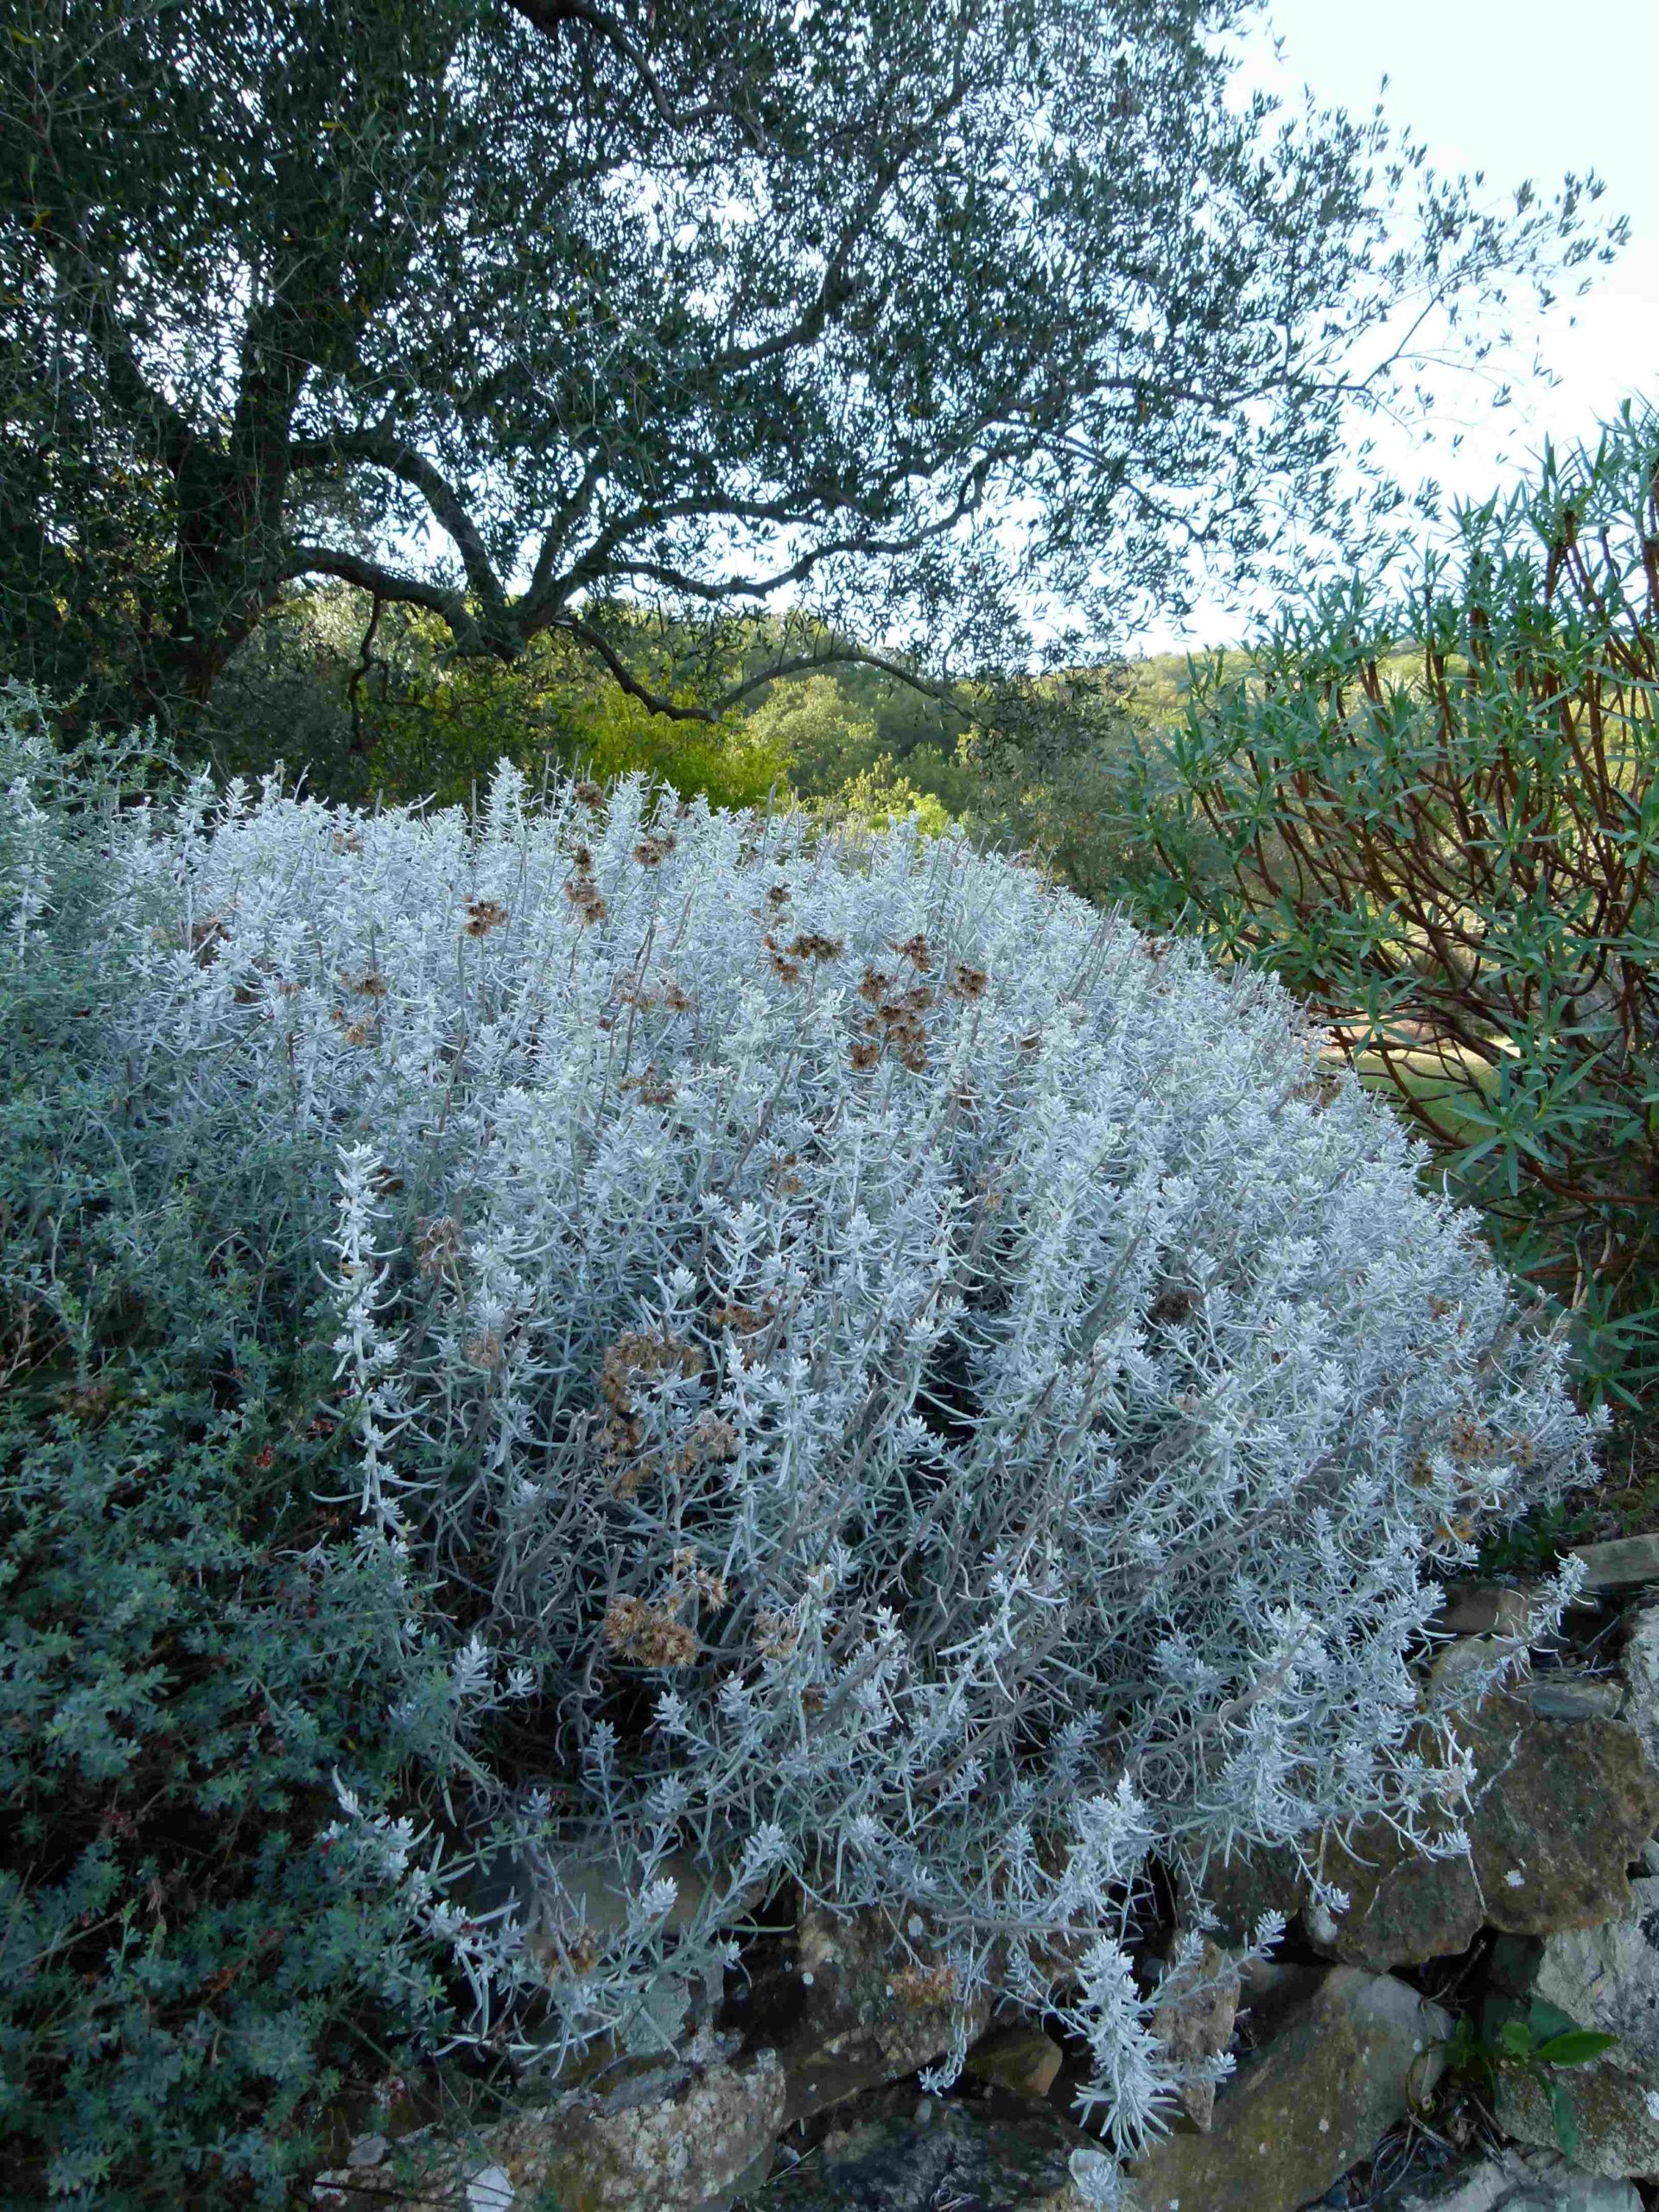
x: 1022, y: 2060
x: 1639, y: 1663
x: 1564, y: 1695
x: 955, y: 2156
x: 1625, y: 1563
x: 1197, y: 2006
x: 1485, y: 1609
x: 667, y: 2140
x: 1563, y: 1800
x: 1508, y: 2180
x: 1315, y: 2100
x: 1604, y: 1978
x: 1609, y: 1976
x: 1618, y: 2134
x: 1404, y: 1905
x: 840, y: 2014
x: 1562, y: 1806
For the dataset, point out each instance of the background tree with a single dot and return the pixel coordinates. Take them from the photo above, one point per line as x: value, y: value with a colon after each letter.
x: 899, y: 316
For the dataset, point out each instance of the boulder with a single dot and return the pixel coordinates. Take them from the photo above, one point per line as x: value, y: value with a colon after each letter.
x: 1605, y: 1978
x: 1639, y: 1665
x: 675, y: 2140
x: 1341, y: 2071
x: 1625, y: 1563
x: 1508, y: 2180
x: 946, y: 2154
x: 1485, y: 1609
x: 1196, y: 2008
x: 842, y: 2011
x: 1619, y: 2130
x: 1564, y: 1798
x: 1022, y: 2060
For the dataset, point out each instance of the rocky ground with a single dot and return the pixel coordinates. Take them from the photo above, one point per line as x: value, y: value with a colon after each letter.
x: 1398, y: 2057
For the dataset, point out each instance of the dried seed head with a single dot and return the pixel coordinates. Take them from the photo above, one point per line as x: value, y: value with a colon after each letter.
x: 812, y: 945
x: 776, y: 1636
x: 438, y: 1245
x: 654, y: 1090
x: 586, y: 900
x: 484, y: 915
x: 711, y: 1439
x: 588, y: 793
x: 648, y: 1635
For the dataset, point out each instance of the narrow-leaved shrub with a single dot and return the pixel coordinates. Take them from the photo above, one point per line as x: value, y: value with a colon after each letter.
x: 864, y: 1370
x: 1435, y: 800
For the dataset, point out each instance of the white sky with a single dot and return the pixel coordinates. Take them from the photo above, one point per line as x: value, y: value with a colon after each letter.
x: 1517, y: 89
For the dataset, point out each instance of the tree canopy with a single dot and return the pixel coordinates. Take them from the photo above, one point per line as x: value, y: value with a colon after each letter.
x: 888, y: 318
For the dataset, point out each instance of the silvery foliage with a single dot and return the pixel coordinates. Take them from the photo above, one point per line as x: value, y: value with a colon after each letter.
x: 875, y: 1374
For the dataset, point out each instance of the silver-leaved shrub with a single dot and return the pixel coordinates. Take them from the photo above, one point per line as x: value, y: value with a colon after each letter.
x: 869, y: 1371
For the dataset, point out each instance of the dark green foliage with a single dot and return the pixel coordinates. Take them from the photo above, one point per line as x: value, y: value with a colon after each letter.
x: 517, y: 310
x: 1437, y: 802
x: 191, y: 1650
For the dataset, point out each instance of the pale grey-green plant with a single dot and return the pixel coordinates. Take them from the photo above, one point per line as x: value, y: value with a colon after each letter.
x: 891, y: 1379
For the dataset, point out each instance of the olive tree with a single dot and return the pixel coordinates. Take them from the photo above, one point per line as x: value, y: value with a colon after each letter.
x: 901, y: 318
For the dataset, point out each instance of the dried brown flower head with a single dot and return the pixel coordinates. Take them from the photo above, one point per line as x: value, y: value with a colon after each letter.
x: 776, y: 1636
x: 650, y: 1635
x: 586, y: 900
x: 811, y: 944
x: 865, y: 1054
x: 654, y: 1090
x: 711, y: 1439
x: 778, y: 895
x: 438, y: 1245
x: 588, y: 793
x: 916, y: 951
x: 691, y: 1583
x: 1469, y: 1440
x: 743, y: 1321
x: 651, y: 852
x: 484, y: 915
x: 967, y: 983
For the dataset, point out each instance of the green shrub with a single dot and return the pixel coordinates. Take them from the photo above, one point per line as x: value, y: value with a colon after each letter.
x: 1438, y: 803
x: 191, y: 1650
